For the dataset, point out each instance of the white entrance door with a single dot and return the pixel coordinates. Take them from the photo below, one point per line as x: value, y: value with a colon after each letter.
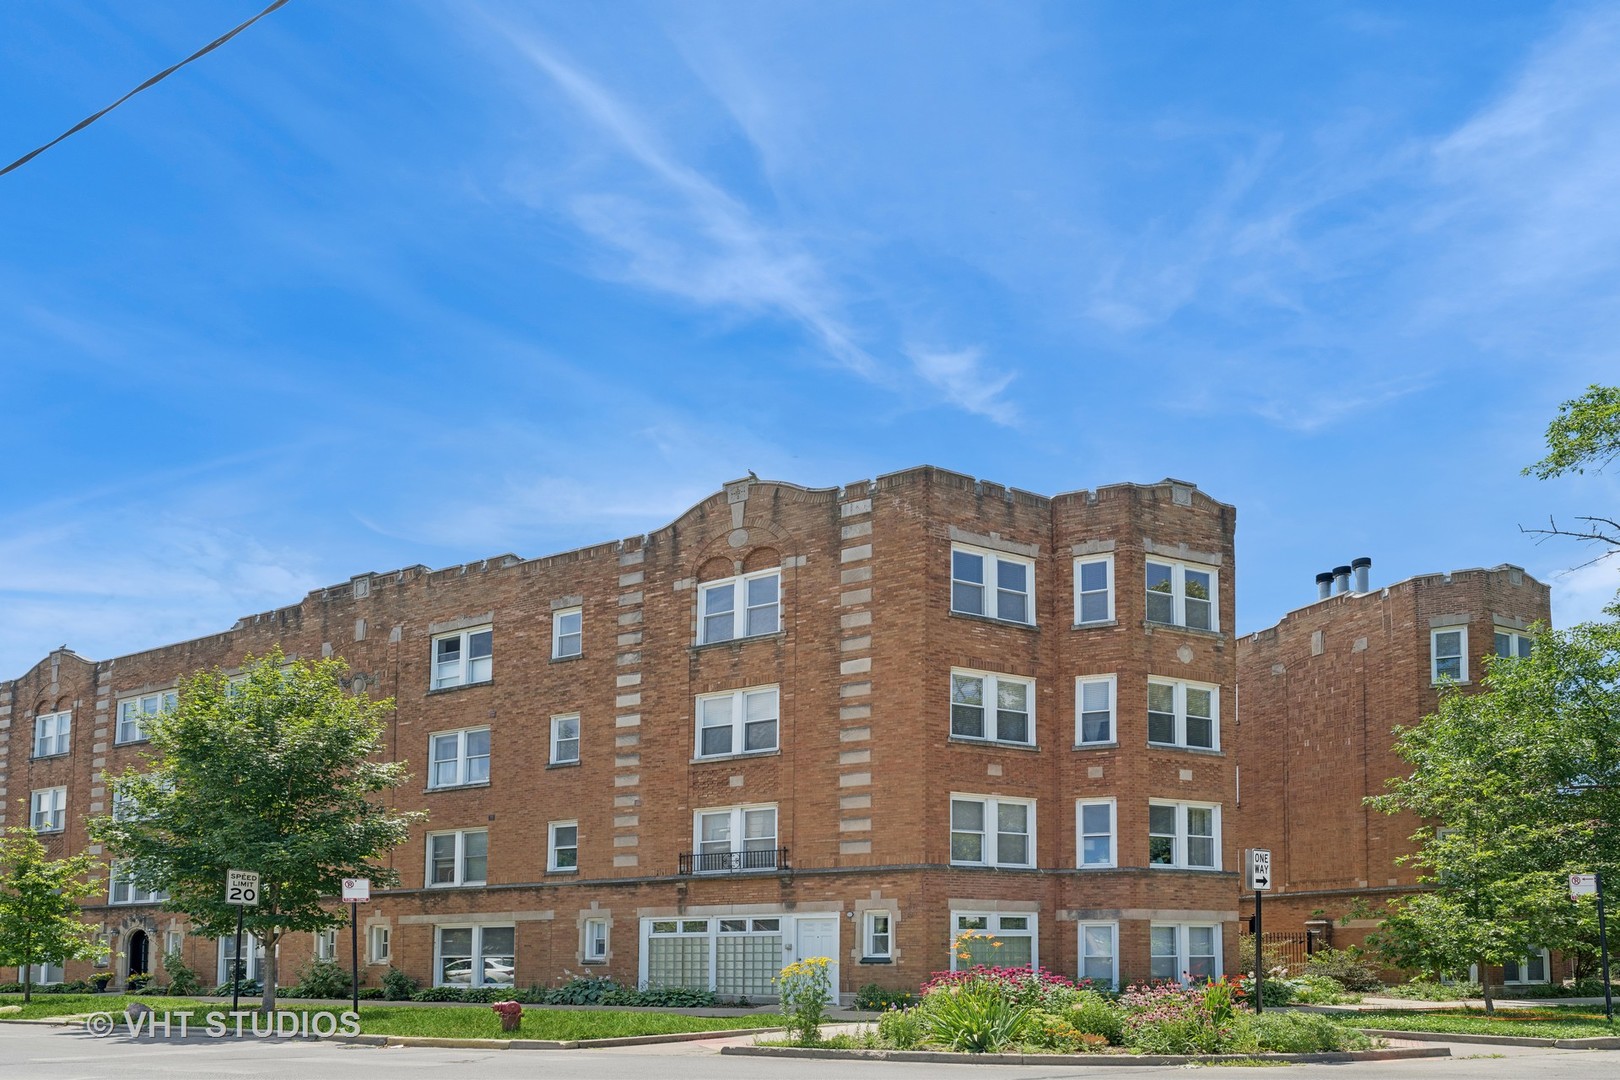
x: 819, y: 937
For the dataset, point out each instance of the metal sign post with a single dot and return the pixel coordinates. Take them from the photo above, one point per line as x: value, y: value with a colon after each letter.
x: 1592, y: 885
x: 1258, y: 861
x: 355, y: 890
x: 241, y: 889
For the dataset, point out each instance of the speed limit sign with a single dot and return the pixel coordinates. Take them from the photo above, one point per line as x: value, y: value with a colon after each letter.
x: 242, y: 887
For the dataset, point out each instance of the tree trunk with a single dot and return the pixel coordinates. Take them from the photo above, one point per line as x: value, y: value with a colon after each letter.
x: 267, y: 1003
x: 28, y: 969
x: 1485, y: 987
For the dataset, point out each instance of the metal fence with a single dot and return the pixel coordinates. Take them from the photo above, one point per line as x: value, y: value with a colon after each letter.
x: 1290, y: 950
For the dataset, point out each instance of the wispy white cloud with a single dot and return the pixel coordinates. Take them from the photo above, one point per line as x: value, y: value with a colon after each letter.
x: 698, y: 242
x: 963, y: 380
x: 1525, y: 187
x: 174, y: 577
x: 1581, y: 594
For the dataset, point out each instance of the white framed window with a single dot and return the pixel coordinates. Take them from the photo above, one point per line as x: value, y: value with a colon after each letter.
x: 46, y: 974
x: 1511, y: 644
x: 458, y: 858
x: 1099, y: 952
x: 121, y: 887
x: 737, y: 722
x: 1186, y: 952
x: 464, y: 657
x: 174, y: 941
x: 567, y: 633
x: 133, y: 712
x: 1185, y: 714
x: 1094, y: 827
x: 1531, y: 968
x: 53, y: 734
x: 975, y: 933
x: 596, y: 940
x: 1094, y: 721
x: 1185, y: 835
x: 1181, y: 594
x: 562, y: 846
x: 474, y: 955
x: 734, y: 838
x: 740, y: 607
x: 252, y: 957
x: 379, y: 941
x: 988, y: 831
x: 326, y: 944
x: 877, y: 939
x: 996, y: 708
x: 1093, y: 589
x: 992, y: 584
x: 457, y: 758
x: 47, y: 809
x: 565, y: 739
x: 1448, y: 653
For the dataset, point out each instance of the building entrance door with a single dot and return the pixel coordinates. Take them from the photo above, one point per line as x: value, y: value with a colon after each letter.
x: 819, y: 937
x: 140, y: 949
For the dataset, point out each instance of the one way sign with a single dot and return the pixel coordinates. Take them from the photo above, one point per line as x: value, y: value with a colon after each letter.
x: 1260, y: 869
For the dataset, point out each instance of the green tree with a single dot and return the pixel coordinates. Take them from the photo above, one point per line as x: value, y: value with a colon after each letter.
x: 279, y: 773
x: 40, y: 919
x: 1584, y: 435
x: 1523, y: 781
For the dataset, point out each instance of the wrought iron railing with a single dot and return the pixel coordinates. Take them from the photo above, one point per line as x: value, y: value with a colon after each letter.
x: 725, y: 862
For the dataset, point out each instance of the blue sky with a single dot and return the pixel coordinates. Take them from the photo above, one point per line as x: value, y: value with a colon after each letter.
x: 377, y: 285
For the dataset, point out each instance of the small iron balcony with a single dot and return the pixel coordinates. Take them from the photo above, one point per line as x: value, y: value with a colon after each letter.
x: 730, y: 862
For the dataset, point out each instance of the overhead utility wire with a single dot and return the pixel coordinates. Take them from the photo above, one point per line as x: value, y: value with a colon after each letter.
x: 153, y: 81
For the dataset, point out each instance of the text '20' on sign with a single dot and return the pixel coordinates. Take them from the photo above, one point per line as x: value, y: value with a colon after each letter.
x: 242, y: 887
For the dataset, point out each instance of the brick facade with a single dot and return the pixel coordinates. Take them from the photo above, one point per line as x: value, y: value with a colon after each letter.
x: 861, y: 649
x: 1321, y: 692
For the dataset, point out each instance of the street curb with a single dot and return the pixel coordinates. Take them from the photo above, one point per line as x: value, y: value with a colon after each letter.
x: 938, y: 1057
x: 489, y: 1044
x: 555, y: 1044
x: 1595, y: 1042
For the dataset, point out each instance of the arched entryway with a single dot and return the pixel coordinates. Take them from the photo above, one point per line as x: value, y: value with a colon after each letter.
x: 139, y: 951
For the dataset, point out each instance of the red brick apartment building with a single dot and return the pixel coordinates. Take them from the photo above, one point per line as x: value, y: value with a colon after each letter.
x: 1321, y: 691
x: 845, y: 722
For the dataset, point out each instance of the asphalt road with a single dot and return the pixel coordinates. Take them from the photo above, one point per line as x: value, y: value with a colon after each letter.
x: 50, y: 1053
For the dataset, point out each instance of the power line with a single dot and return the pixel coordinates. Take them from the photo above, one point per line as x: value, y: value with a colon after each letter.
x: 153, y: 81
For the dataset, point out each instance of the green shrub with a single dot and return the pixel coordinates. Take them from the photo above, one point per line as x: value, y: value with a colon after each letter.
x: 1347, y: 967
x: 371, y: 993
x: 875, y: 998
x: 1429, y: 990
x: 439, y: 993
x: 1275, y: 990
x: 1298, y: 1033
x: 974, y: 1018
x: 1318, y: 990
x: 322, y: 979
x: 183, y: 979
x: 669, y: 997
x: 806, y: 993
x: 901, y: 1028
x: 581, y: 990
x: 15, y: 987
x: 246, y: 988
x: 1094, y: 1014
x: 398, y: 986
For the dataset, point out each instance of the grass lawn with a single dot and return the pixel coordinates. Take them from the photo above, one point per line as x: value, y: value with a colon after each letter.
x: 449, y: 1022
x: 1551, y: 1022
